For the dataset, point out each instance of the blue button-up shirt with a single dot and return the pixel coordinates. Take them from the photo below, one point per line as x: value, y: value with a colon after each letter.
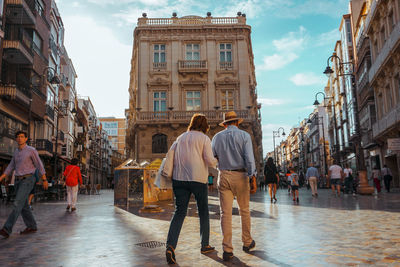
x: 234, y: 150
x: 25, y: 161
x: 312, y: 172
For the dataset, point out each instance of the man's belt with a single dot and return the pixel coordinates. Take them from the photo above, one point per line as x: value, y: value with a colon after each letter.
x: 238, y: 170
x: 22, y: 177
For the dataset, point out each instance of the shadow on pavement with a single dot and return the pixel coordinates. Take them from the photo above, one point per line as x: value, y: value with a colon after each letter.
x: 263, y: 256
x: 235, y: 261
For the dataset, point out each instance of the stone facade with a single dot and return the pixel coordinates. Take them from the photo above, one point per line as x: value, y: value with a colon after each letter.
x: 383, y: 29
x: 181, y: 66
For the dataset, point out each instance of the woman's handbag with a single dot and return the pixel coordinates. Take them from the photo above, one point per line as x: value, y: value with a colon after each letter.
x: 164, y: 175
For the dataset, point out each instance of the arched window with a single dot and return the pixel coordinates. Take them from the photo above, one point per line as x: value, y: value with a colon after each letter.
x: 159, y: 143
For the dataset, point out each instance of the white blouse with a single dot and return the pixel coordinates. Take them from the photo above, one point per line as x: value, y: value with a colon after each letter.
x: 192, y: 157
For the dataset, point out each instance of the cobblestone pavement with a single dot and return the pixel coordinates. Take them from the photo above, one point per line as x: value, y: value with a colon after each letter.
x: 328, y: 231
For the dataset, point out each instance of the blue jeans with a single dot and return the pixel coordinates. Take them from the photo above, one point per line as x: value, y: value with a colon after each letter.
x: 23, y: 188
x: 182, y: 192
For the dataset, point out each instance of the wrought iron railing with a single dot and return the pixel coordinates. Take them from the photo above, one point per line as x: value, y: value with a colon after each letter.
x: 192, y: 64
x: 187, y: 115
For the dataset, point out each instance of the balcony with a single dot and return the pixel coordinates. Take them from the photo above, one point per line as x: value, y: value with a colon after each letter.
x: 159, y: 65
x: 50, y: 112
x: 53, y: 47
x: 43, y: 146
x: 15, y: 93
x: 188, y: 66
x: 18, y: 47
x: 185, y: 116
x: 367, y: 140
x: 190, y: 21
x: 384, y: 54
x: 389, y: 120
x: 21, y: 11
x: 226, y: 65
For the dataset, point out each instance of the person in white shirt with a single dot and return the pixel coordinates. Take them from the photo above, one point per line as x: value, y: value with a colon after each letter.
x: 348, y: 179
x: 192, y: 157
x: 335, y: 175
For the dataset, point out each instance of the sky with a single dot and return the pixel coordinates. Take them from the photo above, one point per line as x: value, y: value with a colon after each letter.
x: 291, y: 39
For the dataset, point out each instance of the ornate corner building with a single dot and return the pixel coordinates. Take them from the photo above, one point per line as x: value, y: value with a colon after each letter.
x: 182, y: 66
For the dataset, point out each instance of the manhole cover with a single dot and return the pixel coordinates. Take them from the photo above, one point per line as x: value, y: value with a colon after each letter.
x: 151, y: 244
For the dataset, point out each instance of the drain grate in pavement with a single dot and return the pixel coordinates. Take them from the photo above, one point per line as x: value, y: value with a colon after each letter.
x: 151, y: 244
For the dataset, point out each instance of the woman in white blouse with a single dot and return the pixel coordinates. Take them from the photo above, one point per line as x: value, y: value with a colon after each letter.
x: 192, y: 157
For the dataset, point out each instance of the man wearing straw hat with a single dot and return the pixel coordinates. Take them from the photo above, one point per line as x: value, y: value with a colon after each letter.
x: 234, y: 150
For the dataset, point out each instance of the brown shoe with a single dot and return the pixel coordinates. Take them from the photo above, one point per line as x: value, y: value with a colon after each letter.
x: 68, y: 207
x: 73, y: 209
x: 4, y: 233
x: 28, y: 231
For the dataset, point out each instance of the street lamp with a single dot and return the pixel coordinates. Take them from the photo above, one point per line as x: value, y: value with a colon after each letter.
x: 316, y: 103
x: 276, y: 134
x: 328, y: 71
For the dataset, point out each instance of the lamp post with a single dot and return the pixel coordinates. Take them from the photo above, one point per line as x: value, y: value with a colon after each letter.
x: 316, y: 103
x: 276, y: 134
x: 328, y: 71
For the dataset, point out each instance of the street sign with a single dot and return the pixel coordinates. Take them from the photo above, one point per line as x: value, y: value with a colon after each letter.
x: 393, y: 144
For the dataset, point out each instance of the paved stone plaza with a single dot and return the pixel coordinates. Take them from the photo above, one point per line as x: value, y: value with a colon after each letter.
x: 328, y: 231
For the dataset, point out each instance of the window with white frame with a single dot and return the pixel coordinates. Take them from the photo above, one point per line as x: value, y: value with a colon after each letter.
x: 225, y: 52
x: 50, y: 98
x: 192, y: 51
x: 193, y: 101
x: 159, y: 101
x: 227, y: 99
x: 159, y: 53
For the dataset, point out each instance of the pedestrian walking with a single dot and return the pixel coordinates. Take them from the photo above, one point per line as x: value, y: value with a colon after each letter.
x: 289, y: 182
x: 294, y: 180
x: 348, y: 180
x: 387, y: 177
x: 311, y: 176
x: 335, y: 175
x: 271, y: 178
x: 73, y: 179
x: 234, y: 150
x: 25, y: 161
x: 192, y: 157
x: 376, y: 177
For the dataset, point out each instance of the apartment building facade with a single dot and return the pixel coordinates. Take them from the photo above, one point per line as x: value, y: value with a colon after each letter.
x: 23, y: 86
x: 181, y: 66
x: 383, y: 28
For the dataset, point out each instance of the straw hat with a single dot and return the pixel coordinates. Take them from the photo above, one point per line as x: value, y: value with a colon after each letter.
x: 230, y: 116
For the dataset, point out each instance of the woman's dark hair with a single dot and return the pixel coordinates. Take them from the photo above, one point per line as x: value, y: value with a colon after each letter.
x: 199, y: 123
x: 21, y: 132
x: 270, y: 161
x: 74, y: 161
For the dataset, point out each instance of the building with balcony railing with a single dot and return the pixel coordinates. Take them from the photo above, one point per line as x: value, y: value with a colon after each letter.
x: 185, y: 65
x: 24, y: 56
x: 382, y: 24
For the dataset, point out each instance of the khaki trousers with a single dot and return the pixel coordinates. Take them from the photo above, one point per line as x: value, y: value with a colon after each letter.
x: 313, y: 184
x: 231, y: 184
x: 72, y: 195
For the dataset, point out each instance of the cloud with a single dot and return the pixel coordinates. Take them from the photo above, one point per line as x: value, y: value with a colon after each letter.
x: 98, y: 58
x: 287, y: 49
x: 327, y: 38
x: 296, y: 9
x: 270, y: 101
x: 307, y: 78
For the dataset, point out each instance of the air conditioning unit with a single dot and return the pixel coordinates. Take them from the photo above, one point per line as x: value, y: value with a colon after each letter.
x: 79, y: 148
x: 79, y: 129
